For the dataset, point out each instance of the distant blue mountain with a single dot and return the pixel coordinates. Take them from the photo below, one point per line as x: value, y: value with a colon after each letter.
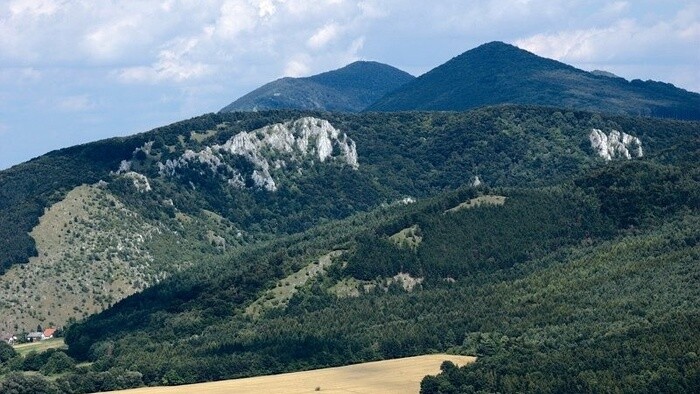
x: 499, y: 73
x: 348, y: 89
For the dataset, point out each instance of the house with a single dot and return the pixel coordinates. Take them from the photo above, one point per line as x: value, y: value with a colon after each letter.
x: 48, y: 333
x: 34, y: 336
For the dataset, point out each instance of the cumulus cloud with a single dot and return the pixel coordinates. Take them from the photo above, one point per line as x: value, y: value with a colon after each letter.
x: 33, y: 7
x: 113, y: 39
x: 323, y: 36
x: 173, y: 64
x: 633, y: 46
x: 297, y: 66
x: 624, y: 41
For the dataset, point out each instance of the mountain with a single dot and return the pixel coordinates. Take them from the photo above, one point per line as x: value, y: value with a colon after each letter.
x: 129, y: 212
x: 499, y: 73
x: 315, y: 238
x: 507, y: 274
x: 348, y: 89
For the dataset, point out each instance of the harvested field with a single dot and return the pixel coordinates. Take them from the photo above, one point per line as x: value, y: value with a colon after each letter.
x: 390, y: 376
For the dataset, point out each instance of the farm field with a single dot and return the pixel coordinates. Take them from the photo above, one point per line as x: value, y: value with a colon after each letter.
x: 401, y: 375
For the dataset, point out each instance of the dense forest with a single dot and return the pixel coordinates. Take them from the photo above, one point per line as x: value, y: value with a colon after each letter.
x: 560, y: 271
x: 579, y: 295
x: 400, y: 154
x: 349, y: 89
x: 499, y: 73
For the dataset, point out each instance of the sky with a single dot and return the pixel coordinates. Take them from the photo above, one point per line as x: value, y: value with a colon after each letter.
x: 74, y: 71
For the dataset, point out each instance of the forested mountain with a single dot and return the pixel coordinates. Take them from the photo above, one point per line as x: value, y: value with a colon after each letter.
x: 129, y: 212
x: 499, y: 73
x: 525, y: 235
x: 348, y: 89
x: 586, y: 286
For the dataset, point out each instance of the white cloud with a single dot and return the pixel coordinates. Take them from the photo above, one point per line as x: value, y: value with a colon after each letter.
x: 323, y: 36
x: 371, y: 9
x: 615, y: 8
x: 266, y: 8
x: 112, y: 40
x: 297, y: 67
x: 19, y: 75
x: 33, y: 8
x: 625, y: 41
x: 236, y: 16
x: 174, y: 64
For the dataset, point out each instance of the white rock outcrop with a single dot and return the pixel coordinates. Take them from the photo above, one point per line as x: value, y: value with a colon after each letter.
x: 615, y: 144
x: 280, y: 146
x: 140, y: 181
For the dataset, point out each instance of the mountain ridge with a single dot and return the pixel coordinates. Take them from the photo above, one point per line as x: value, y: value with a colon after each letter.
x: 217, y: 182
x: 347, y: 89
x: 500, y: 73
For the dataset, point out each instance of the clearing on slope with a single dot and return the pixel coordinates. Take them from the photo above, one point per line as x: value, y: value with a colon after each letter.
x: 477, y: 201
x: 280, y: 295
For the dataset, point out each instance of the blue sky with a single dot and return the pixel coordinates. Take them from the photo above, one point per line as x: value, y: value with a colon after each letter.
x: 74, y: 71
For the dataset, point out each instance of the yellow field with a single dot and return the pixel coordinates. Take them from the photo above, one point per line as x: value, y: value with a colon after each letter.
x: 401, y: 375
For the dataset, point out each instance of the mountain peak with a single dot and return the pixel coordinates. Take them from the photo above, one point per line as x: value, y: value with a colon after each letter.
x: 348, y: 89
x: 499, y: 73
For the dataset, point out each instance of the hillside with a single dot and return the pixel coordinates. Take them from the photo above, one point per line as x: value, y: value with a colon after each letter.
x: 348, y: 89
x: 323, y: 239
x: 570, y: 276
x: 129, y: 212
x: 499, y: 73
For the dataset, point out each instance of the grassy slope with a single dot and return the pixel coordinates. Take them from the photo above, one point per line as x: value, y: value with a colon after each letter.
x: 54, y: 343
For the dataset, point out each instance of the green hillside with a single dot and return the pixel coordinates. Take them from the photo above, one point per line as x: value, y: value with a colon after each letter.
x: 348, y: 89
x: 499, y: 73
x: 255, y: 243
x: 409, y: 154
x: 569, y: 286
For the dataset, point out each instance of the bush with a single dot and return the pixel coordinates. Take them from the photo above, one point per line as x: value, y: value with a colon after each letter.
x: 58, y: 362
x: 7, y: 352
x: 18, y: 383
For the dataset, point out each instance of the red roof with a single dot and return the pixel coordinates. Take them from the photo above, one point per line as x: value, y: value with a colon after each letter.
x: 49, y: 332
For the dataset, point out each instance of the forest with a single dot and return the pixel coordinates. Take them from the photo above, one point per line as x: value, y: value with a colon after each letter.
x: 415, y: 154
x: 579, y: 295
x: 581, y: 278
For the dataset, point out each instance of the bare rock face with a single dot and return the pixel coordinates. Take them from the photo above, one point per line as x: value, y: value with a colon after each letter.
x: 615, y: 144
x: 140, y: 181
x: 277, y: 147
